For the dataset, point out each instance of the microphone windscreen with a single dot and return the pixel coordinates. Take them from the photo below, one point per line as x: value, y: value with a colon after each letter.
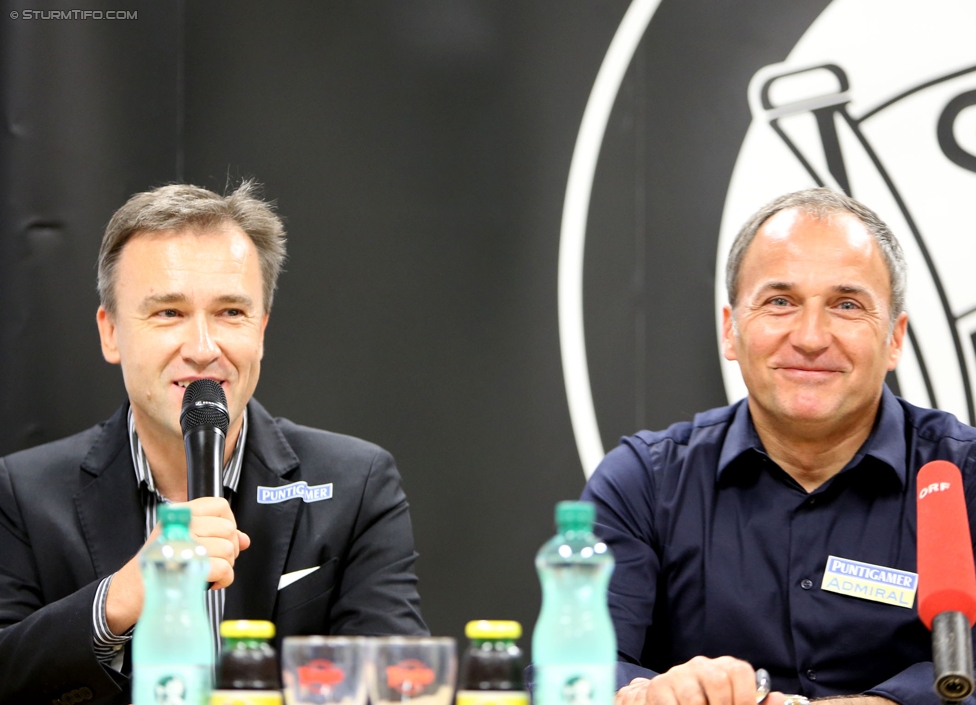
x: 204, y: 404
x: 946, y: 576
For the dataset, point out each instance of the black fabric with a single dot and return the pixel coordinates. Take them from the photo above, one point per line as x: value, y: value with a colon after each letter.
x: 70, y: 514
x: 720, y: 552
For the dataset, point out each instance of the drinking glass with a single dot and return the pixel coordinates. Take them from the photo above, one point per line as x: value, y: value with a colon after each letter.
x: 414, y: 670
x: 324, y: 669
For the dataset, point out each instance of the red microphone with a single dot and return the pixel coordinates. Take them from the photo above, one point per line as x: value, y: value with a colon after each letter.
x: 946, y: 576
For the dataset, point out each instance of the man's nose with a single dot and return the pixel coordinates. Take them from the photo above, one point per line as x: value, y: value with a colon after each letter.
x: 812, y: 331
x: 201, y: 346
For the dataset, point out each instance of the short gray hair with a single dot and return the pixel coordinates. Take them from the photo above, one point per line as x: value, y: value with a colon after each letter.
x: 820, y: 203
x: 181, y: 206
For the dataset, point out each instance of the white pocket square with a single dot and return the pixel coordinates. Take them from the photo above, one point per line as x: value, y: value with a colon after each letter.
x: 288, y: 578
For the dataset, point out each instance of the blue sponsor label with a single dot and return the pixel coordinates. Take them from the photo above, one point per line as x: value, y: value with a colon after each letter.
x: 308, y: 493
x: 870, y: 582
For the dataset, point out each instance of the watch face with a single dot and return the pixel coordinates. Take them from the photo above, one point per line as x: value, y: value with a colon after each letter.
x: 719, y: 111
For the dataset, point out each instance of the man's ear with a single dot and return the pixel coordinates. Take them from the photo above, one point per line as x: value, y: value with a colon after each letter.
x: 107, y: 334
x: 264, y: 326
x: 897, y: 340
x: 728, y: 333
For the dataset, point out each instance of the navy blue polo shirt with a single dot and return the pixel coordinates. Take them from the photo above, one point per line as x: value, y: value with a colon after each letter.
x: 720, y: 552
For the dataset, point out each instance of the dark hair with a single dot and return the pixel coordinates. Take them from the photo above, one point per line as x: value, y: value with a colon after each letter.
x: 181, y: 206
x: 821, y: 203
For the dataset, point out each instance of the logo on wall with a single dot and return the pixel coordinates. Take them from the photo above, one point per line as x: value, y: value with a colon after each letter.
x: 877, y: 99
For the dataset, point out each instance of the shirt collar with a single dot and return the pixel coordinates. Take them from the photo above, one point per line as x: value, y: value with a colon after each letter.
x: 232, y: 469
x: 886, y: 442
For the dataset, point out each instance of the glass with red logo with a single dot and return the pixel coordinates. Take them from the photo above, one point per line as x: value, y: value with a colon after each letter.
x: 324, y: 669
x: 415, y: 670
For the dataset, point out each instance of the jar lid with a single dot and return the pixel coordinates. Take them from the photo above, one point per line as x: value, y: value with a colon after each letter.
x: 493, y: 629
x: 247, y: 628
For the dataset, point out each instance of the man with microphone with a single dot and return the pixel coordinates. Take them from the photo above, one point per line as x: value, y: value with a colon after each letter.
x: 307, y: 528
x: 780, y: 532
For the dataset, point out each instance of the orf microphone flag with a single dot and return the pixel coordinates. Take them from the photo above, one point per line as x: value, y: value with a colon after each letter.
x: 946, y: 576
x: 204, y: 420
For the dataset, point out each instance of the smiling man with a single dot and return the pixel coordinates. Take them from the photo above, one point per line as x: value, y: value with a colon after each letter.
x: 186, y: 280
x: 730, y: 532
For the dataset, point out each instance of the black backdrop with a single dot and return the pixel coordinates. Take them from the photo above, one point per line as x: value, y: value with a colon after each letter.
x: 419, y: 152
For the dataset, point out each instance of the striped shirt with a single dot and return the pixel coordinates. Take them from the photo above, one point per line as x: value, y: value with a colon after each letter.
x: 109, y: 647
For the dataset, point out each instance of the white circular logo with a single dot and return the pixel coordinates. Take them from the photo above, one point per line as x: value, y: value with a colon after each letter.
x: 877, y: 99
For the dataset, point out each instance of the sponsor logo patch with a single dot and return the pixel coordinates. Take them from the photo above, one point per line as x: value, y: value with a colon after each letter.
x: 870, y: 582
x: 308, y: 493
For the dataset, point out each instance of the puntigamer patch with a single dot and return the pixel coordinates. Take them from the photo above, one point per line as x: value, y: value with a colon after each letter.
x: 296, y: 490
x: 870, y: 582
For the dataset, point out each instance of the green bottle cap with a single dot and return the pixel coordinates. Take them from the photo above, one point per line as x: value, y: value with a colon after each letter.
x: 575, y: 516
x: 173, y: 514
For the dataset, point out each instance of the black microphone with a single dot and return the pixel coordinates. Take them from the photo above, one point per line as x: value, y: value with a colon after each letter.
x: 204, y: 420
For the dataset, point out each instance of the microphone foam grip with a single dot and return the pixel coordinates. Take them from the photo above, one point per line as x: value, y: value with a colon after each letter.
x: 946, y: 575
x: 204, y: 404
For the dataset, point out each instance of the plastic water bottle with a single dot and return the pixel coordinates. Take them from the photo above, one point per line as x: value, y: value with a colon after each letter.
x: 172, y: 648
x: 574, y: 646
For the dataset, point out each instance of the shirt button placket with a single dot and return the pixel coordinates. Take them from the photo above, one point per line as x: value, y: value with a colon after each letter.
x: 805, y: 547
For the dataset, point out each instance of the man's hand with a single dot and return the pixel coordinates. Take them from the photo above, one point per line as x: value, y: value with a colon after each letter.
x: 719, y: 681
x: 855, y: 700
x: 213, y: 526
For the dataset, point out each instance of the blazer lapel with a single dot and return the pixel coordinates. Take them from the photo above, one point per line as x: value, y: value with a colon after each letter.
x: 268, y: 459
x: 114, y: 523
x: 109, y: 506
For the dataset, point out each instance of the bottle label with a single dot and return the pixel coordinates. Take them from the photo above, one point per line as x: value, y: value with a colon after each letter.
x: 171, y: 684
x: 575, y: 684
x: 245, y: 697
x: 492, y: 697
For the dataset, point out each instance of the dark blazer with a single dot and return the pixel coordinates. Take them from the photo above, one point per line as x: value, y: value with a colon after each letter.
x: 70, y: 514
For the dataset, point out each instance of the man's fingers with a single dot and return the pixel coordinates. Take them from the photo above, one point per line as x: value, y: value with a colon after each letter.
x: 215, y: 507
x: 742, y: 678
x: 213, y: 526
x: 211, y: 506
x: 221, y: 548
x: 634, y: 693
x: 204, y: 528
x: 700, y: 681
x: 670, y: 693
x: 726, y: 680
x: 221, y: 574
x: 678, y: 686
x: 716, y: 685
